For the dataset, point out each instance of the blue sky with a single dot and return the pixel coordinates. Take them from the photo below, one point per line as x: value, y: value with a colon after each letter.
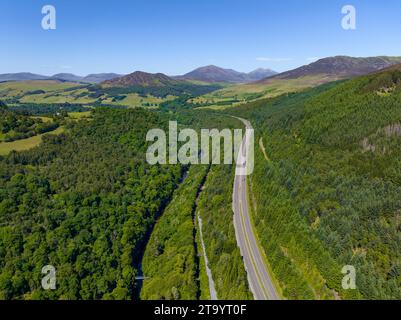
x: 176, y: 36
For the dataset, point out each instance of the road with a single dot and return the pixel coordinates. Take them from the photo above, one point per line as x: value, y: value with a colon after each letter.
x: 259, y: 280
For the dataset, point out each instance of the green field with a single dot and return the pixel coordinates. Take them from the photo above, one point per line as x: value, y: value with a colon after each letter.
x: 44, y: 119
x: 244, y: 93
x: 55, y: 92
x: 134, y: 100
x: 79, y: 115
x: 25, y: 144
x: 13, y: 89
x: 79, y: 96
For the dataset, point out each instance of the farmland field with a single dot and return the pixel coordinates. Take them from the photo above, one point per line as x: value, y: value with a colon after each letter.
x: 56, y: 92
x: 25, y: 144
x: 233, y: 96
x: 12, y: 88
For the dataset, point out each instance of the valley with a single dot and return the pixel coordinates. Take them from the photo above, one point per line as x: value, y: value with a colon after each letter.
x: 200, y: 159
x: 77, y: 192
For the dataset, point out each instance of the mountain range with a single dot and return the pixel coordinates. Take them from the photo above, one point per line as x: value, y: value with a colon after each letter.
x: 91, y: 78
x: 213, y: 74
x: 209, y: 74
x: 21, y: 76
x: 339, y: 67
x: 321, y: 71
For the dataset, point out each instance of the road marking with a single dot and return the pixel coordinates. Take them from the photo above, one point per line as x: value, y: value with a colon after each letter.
x: 260, y: 282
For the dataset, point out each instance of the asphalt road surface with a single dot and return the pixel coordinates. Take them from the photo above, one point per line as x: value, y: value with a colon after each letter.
x: 259, y: 280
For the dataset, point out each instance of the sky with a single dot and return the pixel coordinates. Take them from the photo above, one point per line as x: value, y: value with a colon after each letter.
x: 176, y: 36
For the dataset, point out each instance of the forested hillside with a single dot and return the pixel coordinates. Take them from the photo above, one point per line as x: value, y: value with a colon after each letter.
x: 83, y: 202
x: 86, y: 202
x: 171, y: 263
x: 328, y: 194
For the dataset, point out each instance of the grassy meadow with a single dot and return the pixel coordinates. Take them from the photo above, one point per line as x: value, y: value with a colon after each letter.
x: 25, y: 144
x: 57, y: 92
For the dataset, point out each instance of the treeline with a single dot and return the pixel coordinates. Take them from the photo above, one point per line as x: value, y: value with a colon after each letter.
x: 83, y: 202
x: 44, y: 109
x: 171, y: 257
x: 326, y: 198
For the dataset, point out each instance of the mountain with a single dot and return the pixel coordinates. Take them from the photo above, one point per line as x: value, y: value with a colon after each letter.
x: 22, y: 76
x: 339, y: 67
x: 141, y: 79
x: 260, y: 74
x: 91, y: 78
x: 100, y: 77
x: 320, y: 72
x: 215, y: 74
x: 67, y: 77
x: 157, y: 85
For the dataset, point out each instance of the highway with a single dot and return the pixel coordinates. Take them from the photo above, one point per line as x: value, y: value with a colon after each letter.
x: 260, y: 282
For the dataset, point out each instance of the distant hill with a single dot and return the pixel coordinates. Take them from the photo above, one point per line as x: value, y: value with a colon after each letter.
x: 67, y: 77
x: 100, y: 77
x: 339, y: 67
x: 213, y: 74
x: 91, y: 78
x: 308, y: 76
x: 21, y: 76
x: 157, y: 84
x: 141, y: 79
x: 260, y: 74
